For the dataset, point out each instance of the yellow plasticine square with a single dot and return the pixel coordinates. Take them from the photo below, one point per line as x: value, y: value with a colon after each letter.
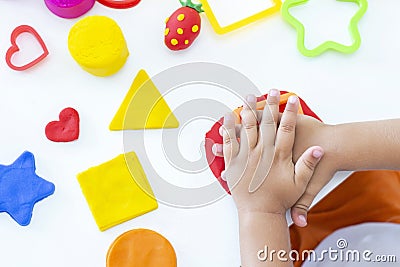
x: 241, y: 23
x: 117, y: 191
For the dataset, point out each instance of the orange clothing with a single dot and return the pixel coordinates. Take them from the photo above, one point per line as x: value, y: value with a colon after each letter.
x: 368, y: 196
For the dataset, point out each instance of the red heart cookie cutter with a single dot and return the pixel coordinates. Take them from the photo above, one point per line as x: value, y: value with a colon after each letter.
x: 14, y: 47
x: 66, y: 129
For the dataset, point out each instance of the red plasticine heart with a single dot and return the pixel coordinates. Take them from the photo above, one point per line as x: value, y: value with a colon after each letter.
x: 14, y: 48
x: 66, y: 129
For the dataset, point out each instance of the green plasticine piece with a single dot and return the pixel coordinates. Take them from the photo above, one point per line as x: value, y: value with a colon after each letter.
x: 353, y: 29
x: 189, y: 3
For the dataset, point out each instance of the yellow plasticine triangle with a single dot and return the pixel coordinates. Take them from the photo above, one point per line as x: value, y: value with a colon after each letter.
x: 117, y: 191
x: 143, y: 108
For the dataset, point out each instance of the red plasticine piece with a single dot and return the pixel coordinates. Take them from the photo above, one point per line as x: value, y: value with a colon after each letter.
x: 183, y: 26
x: 217, y: 164
x: 66, y: 129
x: 119, y: 4
x: 14, y: 47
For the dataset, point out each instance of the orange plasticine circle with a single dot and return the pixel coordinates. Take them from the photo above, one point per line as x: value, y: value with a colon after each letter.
x: 141, y: 248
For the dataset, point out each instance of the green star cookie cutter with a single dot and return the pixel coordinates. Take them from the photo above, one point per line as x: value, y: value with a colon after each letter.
x: 329, y: 45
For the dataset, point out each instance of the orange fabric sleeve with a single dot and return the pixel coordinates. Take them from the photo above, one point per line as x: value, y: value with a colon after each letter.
x: 368, y: 196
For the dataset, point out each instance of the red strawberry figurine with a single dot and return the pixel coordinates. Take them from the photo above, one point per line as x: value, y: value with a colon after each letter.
x: 183, y: 26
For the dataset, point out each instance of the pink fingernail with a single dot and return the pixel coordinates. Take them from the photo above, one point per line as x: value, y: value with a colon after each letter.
x: 214, y: 149
x: 317, y: 153
x: 303, y: 220
x: 228, y: 118
x: 251, y: 98
x: 273, y: 92
x: 218, y: 148
x: 292, y: 99
x: 223, y: 175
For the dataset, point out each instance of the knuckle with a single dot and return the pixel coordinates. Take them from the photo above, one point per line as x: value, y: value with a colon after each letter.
x: 268, y: 121
x: 309, y: 164
x: 302, y: 206
x: 272, y: 101
x: 280, y: 155
x: 291, y: 109
x: 287, y: 127
x: 249, y: 126
x: 228, y: 136
x: 227, y: 141
x: 248, y: 116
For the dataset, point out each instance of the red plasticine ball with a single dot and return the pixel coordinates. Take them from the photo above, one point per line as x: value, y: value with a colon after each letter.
x: 183, y: 26
x: 217, y: 164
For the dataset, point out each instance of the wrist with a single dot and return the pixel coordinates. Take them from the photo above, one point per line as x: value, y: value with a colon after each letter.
x: 323, y: 135
x: 258, y: 230
x: 247, y: 217
x: 332, y: 144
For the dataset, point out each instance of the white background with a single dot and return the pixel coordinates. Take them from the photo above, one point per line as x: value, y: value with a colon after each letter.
x: 339, y: 88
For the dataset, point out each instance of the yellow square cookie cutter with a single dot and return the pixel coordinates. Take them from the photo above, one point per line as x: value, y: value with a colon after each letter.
x: 241, y: 23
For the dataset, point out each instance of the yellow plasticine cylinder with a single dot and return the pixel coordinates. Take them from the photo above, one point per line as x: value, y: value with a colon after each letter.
x: 98, y: 45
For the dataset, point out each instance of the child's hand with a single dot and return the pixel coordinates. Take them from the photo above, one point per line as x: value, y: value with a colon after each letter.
x: 260, y: 170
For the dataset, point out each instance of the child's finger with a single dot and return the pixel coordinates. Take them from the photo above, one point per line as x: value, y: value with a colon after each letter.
x: 273, y: 99
x: 304, y: 170
x: 230, y: 145
x: 249, y: 133
x: 218, y: 150
x: 266, y: 139
x: 299, y: 212
x: 269, y: 119
x: 223, y: 176
x: 237, y: 128
x: 306, y: 164
x: 300, y: 209
x: 286, y: 131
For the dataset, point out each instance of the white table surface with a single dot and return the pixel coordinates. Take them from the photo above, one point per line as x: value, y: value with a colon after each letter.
x: 339, y: 88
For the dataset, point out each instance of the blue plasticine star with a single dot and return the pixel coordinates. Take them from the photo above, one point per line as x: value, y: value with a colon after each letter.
x: 21, y: 188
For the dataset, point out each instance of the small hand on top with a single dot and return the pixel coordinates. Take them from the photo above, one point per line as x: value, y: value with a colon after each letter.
x: 258, y: 156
